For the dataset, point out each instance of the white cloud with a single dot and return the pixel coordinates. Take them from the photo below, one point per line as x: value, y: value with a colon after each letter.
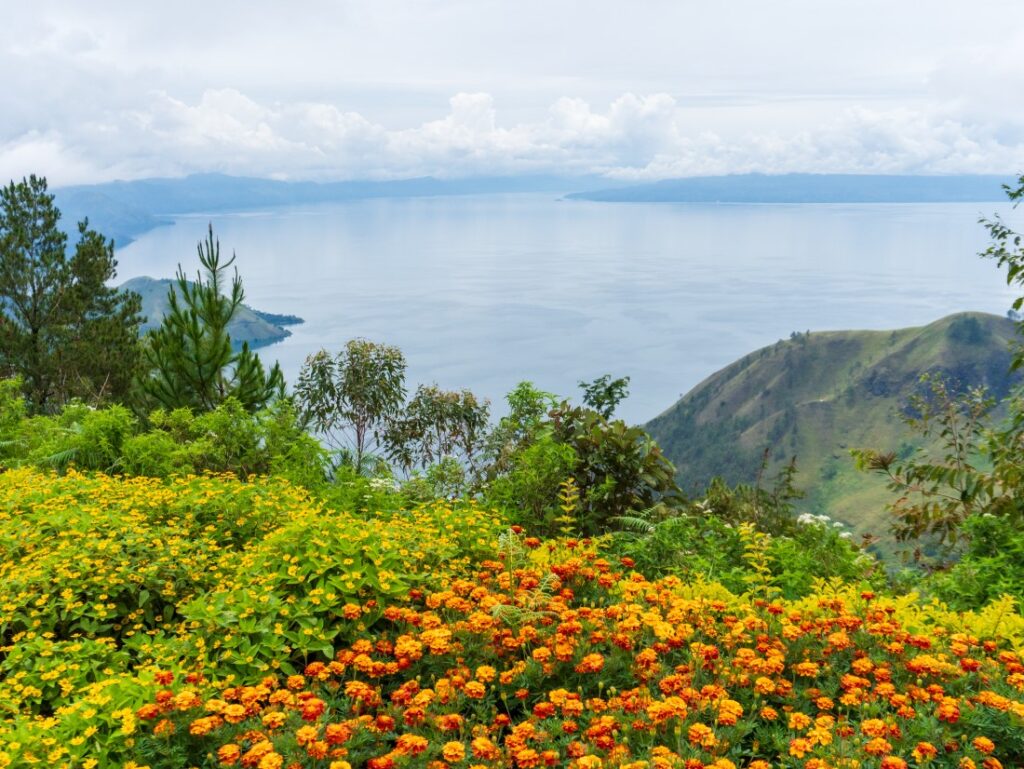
x: 636, y: 91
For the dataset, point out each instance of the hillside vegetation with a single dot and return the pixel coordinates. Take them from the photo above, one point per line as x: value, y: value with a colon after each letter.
x: 247, y: 325
x: 818, y: 395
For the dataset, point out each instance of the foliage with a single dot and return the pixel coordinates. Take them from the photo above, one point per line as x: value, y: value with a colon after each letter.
x: 604, y: 394
x: 528, y: 490
x: 618, y: 470
x: 938, y: 494
x: 190, y: 359
x: 226, y: 439
x: 350, y: 398
x: 436, y: 424
x: 699, y: 544
x: 569, y: 660
x: 1007, y: 248
x: 62, y: 328
x: 991, y: 565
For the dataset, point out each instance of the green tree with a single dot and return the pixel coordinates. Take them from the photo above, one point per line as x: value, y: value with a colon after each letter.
x: 351, y: 397
x: 191, y: 361
x: 62, y: 329
x: 604, y: 394
x: 437, y: 424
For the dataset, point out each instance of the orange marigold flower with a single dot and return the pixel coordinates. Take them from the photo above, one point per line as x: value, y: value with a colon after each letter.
x: 764, y: 685
x: 527, y: 758
x: 874, y: 727
x: 878, y: 746
x: 164, y: 728
x: 484, y: 749
x: 702, y: 735
x: 769, y: 713
x: 807, y: 669
x: 306, y: 734
x: 729, y: 712
x: 475, y: 690
x: 799, y: 721
x: 592, y: 663
x: 924, y: 751
x: 983, y: 745
x: 485, y: 674
x: 229, y: 754
x: 799, y: 747
x: 453, y: 752
x: 992, y: 763
x: 411, y: 745
x: 893, y: 762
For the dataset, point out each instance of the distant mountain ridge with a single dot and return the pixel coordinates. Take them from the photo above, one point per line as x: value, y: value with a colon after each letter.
x: 815, y: 396
x: 257, y: 328
x: 124, y: 210
x: 808, y: 188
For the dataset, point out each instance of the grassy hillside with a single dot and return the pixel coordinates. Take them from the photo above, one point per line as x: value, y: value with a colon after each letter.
x: 818, y: 395
x: 252, y: 326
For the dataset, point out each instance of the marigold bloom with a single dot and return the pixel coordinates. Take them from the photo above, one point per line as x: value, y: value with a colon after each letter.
x: 701, y: 735
x: 799, y: 747
x: 453, y: 752
x: 229, y: 754
x: 527, y: 758
x: 983, y: 745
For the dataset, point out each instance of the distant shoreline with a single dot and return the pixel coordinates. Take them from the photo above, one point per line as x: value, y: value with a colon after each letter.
x: 125, y: 211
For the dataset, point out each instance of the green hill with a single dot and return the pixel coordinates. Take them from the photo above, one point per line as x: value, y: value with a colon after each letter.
x: 818, y: 395
x: 249, y: 325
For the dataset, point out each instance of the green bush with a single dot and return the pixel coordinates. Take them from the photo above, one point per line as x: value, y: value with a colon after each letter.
x: 528, y: 492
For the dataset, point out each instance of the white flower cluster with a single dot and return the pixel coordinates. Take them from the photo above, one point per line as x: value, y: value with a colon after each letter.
x: 810, y: 519
x: 384, y: 484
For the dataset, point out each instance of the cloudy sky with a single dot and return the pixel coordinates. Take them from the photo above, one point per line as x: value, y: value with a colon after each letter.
x: 631, y: 89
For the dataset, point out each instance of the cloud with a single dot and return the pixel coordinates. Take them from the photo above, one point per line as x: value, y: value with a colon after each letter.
x: 636, y: 137
x: 358, y: 89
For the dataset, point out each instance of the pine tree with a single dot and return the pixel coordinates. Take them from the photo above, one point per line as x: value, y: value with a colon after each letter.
x: 190, y: 356
x: 63, y: 330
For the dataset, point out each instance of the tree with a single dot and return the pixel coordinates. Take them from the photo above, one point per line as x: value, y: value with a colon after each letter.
x: 438, y: 424
x: 192, y: 363
x: 62, y: 329
x: 350, y: 398
x: 604, y: 394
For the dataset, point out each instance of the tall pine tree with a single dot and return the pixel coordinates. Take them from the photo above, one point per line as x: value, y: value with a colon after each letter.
x: 63, y: 330
x: 191, y: 360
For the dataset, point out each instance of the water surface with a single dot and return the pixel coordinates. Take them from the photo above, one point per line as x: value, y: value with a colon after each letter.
x: 482, y: 292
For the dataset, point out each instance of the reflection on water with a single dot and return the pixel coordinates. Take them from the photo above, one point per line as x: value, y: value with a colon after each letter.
x: 482, y: 292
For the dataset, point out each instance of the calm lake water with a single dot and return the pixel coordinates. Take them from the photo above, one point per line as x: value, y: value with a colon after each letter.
x: 482, y: 292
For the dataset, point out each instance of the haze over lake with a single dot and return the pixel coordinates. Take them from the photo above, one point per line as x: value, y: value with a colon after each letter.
x: 482, y: 292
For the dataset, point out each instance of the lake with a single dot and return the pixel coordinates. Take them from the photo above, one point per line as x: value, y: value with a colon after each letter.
x: 482, y: 292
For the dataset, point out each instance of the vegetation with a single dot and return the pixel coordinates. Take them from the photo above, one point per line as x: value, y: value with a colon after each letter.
x: 817, y: 396
x: 62, y: 329
x: 190, y: 358
x: 204, y: 584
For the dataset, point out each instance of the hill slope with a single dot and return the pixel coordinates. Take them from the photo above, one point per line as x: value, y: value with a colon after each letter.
x: 817, y: 395
x: 249, y: 325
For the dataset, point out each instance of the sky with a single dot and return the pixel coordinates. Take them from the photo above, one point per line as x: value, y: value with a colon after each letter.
x: 634, y: 89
